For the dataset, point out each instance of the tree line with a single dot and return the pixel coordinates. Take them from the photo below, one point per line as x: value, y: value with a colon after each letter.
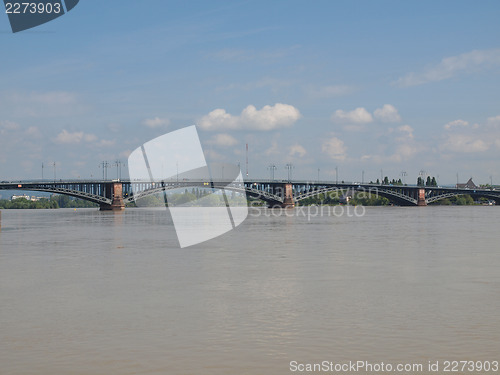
x: 56, y: 201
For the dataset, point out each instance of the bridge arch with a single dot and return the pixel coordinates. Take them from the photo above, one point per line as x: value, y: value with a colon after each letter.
x: 269, y: 198
x: 450, y: 194
x: 72, y: 193
x: 393, y: 195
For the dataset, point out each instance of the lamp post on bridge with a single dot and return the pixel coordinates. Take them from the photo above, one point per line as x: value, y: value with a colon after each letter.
x: 337, y: 175
x: 272, y: 168
x: 404, y: 174
x: 104, y: 165
x: 289, y: 167
x: 118, y: 164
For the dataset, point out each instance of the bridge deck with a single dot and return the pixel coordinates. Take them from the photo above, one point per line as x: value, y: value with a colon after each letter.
x: 107, y: 193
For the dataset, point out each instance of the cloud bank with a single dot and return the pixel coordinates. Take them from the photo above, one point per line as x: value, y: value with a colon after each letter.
x: 449, y: 67
x: 265, y: 119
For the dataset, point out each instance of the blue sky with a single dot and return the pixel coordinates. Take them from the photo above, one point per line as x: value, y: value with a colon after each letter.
x: 358, y: 85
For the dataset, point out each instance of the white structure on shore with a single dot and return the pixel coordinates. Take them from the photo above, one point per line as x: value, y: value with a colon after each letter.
x: 27, y: 197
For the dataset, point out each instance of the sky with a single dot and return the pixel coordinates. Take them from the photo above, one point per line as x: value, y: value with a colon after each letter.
x: 339, y: 89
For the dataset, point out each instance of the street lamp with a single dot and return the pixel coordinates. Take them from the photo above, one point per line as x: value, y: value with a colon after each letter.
x: 272, y: 168
x: 118, y: 165
x: 104, y: 165
x: 289, y: 167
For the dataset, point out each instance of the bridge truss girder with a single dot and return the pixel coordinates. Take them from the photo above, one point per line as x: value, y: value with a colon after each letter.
x: 95, y: 198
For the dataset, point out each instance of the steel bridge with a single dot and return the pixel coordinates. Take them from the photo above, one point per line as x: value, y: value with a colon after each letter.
x: 115, y: 194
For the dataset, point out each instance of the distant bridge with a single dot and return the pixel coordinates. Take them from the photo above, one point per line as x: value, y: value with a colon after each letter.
x: 113, y: 195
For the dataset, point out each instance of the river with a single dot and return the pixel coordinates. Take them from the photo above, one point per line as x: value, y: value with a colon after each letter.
x: 89, y: 292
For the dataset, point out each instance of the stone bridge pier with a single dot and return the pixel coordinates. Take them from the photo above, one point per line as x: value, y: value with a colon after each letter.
x: 421, y: 198
x: 285, y: 191
x: 114, y: 191
x: 288, y: 196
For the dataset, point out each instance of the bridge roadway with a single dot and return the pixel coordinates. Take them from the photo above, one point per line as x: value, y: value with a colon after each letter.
x: 114, y: 194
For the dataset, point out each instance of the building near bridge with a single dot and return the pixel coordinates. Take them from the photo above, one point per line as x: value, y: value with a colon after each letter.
x: 468, y: 185
x: 27, y: 197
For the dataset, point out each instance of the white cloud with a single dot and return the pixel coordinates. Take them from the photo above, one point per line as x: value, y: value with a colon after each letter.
x: 406, y: 146
x: 33, y: 131
x: 456, y: 123
x: 218, y: 119
x: 407, y: 130
x: 399, y: 146
x: 273, y: 150
x: 405, y: 151
x: 387, y: 114
x: 9, y: 125
x: 356, y: 119
x: 452, y: 66
x: 461, y: 137
x: 156, y: 122
x: 223, y: 140
x: 298, y: 150
x: 493, y: 121
x: 125, y: 154
x: 467, y: 143
x: 268, y: 118
x: 66, y: 137
x: 334, y: 148
x: 356, y: 116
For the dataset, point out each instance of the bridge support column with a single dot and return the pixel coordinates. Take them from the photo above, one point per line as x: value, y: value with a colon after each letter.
x: 288, y: 196
x: 117, y: 194
x: 421, y: 198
